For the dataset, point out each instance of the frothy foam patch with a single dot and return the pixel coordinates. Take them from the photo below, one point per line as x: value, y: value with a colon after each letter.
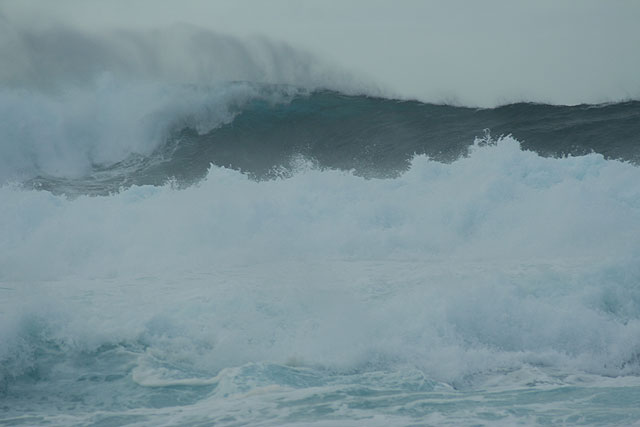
x: 498, y: 204
x: 500, y: 259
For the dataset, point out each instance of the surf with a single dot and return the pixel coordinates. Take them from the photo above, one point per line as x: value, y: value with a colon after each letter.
x: 503, y: 270
x: 175, y: 132
x: 270, y: 244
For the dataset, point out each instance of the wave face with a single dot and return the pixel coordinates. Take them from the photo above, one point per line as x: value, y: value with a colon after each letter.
x: 243, y: 254
x: 176, y: 133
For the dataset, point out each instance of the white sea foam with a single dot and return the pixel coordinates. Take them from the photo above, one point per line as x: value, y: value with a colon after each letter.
x: 500, y: 259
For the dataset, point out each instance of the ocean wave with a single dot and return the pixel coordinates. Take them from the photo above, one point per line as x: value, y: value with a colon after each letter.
x: 196, y: 229
x: 505, y: 254
x: 115, y: 135
x: 82, y: 130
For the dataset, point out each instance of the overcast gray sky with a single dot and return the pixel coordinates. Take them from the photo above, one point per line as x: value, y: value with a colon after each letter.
x: 469, y: 52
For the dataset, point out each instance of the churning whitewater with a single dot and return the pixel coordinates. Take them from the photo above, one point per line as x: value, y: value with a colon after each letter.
x: 244, y: 253
x: 201, y: 230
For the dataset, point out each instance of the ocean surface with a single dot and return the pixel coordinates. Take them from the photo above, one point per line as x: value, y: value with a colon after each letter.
x: 253, y: 254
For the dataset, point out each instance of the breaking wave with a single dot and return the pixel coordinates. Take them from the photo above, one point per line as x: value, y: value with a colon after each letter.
x: 238, y: 252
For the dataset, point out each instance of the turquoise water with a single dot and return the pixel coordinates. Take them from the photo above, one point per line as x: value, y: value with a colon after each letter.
x: 498, y: 288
